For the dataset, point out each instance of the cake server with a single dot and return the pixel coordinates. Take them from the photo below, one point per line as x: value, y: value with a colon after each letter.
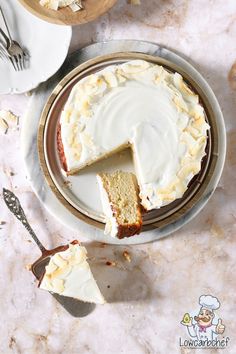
x: 75, y: 307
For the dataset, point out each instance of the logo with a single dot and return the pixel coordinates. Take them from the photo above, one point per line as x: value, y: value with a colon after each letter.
x: 204, y: 328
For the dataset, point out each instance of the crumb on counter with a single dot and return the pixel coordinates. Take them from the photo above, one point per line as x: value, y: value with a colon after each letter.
x: 111, y: 263
x: 217, y: 231
x: 127, y: 256
x: 28, y: 267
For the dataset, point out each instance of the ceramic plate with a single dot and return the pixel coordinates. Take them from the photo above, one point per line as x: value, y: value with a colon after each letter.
x: 80, y: 193
x: 65, y: 16
x: 47, y: 45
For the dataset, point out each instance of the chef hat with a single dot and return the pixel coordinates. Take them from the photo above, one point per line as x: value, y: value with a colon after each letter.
x: 209, y: 302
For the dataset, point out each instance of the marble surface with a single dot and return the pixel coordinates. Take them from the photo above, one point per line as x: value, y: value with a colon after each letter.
x: 148, y: 296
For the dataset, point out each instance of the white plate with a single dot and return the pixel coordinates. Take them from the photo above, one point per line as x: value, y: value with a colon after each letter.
x: 47, y: 45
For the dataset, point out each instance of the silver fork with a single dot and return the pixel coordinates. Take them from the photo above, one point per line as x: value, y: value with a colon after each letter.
x: 4, y: 51
x: 16, y: 54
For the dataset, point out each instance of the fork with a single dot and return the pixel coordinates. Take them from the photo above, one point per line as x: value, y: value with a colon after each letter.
x: 15, y: 53
x: 3, y: 53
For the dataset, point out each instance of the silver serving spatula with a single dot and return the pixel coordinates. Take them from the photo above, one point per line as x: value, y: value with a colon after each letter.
x: 75, y: 307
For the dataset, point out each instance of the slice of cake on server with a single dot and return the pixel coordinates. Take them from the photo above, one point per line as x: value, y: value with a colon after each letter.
x: 121, y: 205
x: 68, y: 274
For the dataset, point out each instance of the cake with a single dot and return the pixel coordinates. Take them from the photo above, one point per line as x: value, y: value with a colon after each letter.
x: 68, y: 274
x: 143, y: 106
x: 121, y: 206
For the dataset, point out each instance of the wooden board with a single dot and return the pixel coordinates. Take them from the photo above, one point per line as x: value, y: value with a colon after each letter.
x: 92, y: 10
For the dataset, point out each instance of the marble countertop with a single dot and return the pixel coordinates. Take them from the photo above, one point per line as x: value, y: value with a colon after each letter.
x: 147, y: 297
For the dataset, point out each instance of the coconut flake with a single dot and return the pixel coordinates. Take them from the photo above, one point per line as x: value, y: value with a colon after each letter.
x: 8, y: 116
x: 3, y: 126
x: 76, y: 6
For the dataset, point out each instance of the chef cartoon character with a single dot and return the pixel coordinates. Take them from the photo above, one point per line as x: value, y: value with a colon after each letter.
x: 204, y: 328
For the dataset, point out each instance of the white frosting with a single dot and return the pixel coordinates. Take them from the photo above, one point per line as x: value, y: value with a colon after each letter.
x: 68, y: 274
x: 111, y: 227
x: 140, y: 104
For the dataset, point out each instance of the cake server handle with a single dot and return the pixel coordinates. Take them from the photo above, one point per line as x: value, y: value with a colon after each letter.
x: 15, y: 207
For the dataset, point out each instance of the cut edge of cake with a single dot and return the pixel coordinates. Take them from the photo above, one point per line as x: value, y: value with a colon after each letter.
x: 121, y: 205
x: 62, y: 157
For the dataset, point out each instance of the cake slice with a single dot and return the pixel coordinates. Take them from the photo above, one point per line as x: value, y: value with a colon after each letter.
x: 120, y: 200
x: 68, y: 274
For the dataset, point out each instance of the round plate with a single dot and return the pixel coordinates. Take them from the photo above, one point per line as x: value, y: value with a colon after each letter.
x: 31, y: 32
x: 80, y: 193
x: 65, y: 16
x: 30, y: 152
